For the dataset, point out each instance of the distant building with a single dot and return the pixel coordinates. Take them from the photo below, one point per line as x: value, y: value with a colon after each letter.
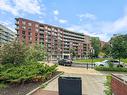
x: 6, y: 35
x: 102, y: 43
x: 57, y: 42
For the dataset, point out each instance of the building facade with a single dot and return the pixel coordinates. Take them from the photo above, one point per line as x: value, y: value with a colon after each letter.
x: 102, y: 43
x: 57, y: 42
x: 6, y: 35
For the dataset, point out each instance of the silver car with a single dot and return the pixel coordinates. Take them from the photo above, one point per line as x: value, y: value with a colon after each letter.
x: 115, y: 63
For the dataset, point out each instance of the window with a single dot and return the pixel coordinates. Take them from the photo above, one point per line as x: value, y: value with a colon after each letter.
x: 23, y: 22
x: 36, y: 25
x: 36, y: 30
x: 29, y: 33
x: 30, y: 38
x: 29, y: 24
x: 29, y: 28
x: 36, y: 34
x: 23, y: 27
x: 23, y: 32
x: 36, y: 38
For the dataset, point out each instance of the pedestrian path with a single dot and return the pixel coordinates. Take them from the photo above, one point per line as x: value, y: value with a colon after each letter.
x: 91, y: 84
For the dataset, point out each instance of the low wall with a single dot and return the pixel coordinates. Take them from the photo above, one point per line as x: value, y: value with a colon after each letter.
x: 119, y: 85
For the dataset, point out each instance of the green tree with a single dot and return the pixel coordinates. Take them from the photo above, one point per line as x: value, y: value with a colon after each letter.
x: 13, y: 53
x: 107, y: 49
x: 35, y: 53
x: 119, y: 47
x: 73, y: 53
x: 96, y: 45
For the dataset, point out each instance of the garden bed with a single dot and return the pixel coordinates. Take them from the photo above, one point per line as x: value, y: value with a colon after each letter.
x: 24, y: 88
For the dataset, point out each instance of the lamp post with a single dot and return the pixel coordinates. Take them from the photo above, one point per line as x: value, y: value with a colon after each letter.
x: 92, y: 53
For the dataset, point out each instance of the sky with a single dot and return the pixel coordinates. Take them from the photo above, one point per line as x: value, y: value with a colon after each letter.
x: 98, y: 18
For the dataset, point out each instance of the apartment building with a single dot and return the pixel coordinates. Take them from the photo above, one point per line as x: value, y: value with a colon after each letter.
x: 6, y: 35
x: 102, y: 43
x: 57, y: 42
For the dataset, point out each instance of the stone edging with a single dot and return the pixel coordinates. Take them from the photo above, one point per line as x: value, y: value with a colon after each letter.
x: 43, y: 85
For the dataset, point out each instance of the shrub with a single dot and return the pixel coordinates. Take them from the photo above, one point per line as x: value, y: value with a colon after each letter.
x: 120, y: 69
x: 26, y: 73
x: 107, y: 85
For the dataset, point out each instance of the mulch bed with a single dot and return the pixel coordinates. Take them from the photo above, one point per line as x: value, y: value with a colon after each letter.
x: 21, y: 89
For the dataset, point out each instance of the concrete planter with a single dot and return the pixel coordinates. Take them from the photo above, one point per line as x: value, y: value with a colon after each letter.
x: 70, y: 86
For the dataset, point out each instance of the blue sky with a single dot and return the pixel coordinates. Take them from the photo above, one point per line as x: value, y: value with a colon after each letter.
x: 101, y: 18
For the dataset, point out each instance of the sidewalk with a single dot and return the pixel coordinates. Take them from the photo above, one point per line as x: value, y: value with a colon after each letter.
x: 92, y: 80
x: 91, y: 84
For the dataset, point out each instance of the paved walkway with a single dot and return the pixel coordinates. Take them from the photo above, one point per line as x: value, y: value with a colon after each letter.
x: 92, y: 81
x: 91, y: 84
x: 45, y: 92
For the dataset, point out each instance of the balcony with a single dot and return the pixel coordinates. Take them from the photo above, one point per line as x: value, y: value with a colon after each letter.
x: 17, y: 28
x: 17, y: 23
x: 41, y: 28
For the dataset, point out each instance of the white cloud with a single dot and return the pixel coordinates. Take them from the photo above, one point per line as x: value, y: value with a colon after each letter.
x: 16, y: 7
x: 6, y: 7
x: 9, y: 25
x: 56, y: 18
x: 102, y: 29
x: 87, y: 16
x: 62, y: 21
x: 56, y: 12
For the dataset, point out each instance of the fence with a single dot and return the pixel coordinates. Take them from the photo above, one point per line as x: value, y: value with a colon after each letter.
x: 84, y: 65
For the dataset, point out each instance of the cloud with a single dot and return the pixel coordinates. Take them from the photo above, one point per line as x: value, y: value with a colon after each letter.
x: 16, y: 7
x: 9, y: 25
x: 86, y: 16
x: 56, y: 18
x: 102, y: 29
x: 56, y: 12
x: 6, y: 7
x: 62, y: 21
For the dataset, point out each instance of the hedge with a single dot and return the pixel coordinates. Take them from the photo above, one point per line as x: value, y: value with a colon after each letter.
x: 117, y: 69
x: 25, y: 73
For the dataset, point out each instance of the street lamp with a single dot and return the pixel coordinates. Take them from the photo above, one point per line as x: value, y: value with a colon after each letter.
x: 92, y: 53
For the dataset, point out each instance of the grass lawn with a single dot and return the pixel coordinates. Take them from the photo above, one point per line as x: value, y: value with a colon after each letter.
x: 124, y: 60
x: 95, y: 60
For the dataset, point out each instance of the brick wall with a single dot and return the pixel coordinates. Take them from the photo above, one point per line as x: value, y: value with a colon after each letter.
x: 119, y: 86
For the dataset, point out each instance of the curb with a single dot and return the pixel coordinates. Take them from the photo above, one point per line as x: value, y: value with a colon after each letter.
x: 44, y: 84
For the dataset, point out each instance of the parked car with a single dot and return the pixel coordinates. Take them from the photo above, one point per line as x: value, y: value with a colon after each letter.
x: 65, y: 62
x: 106, y: 63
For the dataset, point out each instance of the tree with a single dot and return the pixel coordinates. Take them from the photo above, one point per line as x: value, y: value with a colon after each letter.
x: 73, y: 53
x: 13, y: 53
x: 95, y: 42
x: 36, y: 53
x: 107, y: 49
x: 119, y: 47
